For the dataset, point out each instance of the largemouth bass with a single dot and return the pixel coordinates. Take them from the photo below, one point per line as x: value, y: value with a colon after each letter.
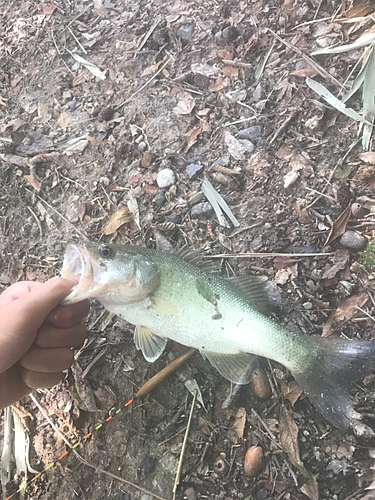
x: 175, y: 296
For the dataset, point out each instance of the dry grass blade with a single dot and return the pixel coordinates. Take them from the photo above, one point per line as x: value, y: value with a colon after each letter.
x: 5, y: 469
x: 332, y: 100
x: 90, y: 66
x: 363, y: 41
x: 218, y: 203
x: 368, y: 97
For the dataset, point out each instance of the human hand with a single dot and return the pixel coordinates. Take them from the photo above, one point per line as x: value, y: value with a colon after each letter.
x: 36, y: 336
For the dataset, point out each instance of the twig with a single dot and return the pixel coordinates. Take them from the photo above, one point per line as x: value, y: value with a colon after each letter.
x: 147, y: 36
x: 37, y: 221
x: 237, y: 64
x: 242, y: 120
x: 366, y: 313
x: 257, y: 224
x: 179, y: 468
x: 283, y: 126
x: 118, y: 478
x: 317, y: 9
x: 322, y: 72
x: 92, y: 362
x: 266, y: 255
x: 145, y: 84
x: 78, y: 42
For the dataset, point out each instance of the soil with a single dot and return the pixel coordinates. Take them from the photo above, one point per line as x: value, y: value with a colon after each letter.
x: 176, y: 84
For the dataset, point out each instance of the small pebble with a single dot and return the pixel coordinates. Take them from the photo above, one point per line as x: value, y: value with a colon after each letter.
x: 257, y: 243
x: 159, y: 200
x: 251, y: 133
x: 308, y: 306
x: 195, y: 198
x: 247, y: 145
x: 353, y: 241
x: 166, y: 178
x: 267, y: 225
x: 203, y: 208
x: 185, y: 31
x: 72, y: 104
x: 194, y: 169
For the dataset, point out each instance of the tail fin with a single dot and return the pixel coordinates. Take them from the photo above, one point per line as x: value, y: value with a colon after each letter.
x: 327, y: 379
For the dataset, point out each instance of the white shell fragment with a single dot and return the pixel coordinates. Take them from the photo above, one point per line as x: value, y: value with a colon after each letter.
x: 166, y: 178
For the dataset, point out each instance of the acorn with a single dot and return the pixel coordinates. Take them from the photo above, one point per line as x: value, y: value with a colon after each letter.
x: 221, y: 466
x: 261, y: 385
x: 254, y: 461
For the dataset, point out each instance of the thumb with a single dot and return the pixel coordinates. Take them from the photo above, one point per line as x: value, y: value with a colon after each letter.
x: 46, y: 297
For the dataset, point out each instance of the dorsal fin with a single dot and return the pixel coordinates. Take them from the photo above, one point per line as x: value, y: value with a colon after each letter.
x: 194, y: 257
x: 255, y: 291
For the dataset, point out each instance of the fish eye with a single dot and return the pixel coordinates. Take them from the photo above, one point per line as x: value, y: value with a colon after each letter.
x: 107, y: 251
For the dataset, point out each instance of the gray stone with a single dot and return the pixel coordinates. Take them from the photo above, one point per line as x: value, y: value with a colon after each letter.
x: 251, y: 133
x: 247, y: 145
x: 257, y: 243
x: 203, y: 208
x: 166, y: 178
x: 308, y: 306
x: 353, y: 241
x: 185, y: 31
x: 159, y: 200
x: 194, y: 169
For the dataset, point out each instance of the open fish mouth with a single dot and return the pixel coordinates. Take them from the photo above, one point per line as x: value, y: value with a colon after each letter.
x: 80, y: 265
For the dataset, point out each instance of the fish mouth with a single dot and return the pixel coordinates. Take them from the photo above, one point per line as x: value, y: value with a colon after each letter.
x: 80, y: 265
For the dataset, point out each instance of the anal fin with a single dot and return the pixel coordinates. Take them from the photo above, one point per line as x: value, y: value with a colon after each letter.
x: 237, y: 368
x: 149, y: 343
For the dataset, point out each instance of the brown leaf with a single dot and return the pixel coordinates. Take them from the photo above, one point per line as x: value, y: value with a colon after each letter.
x: 192, y: 135
x: 282, y: 262
x: 230, y: 71
x: 146, y: 159
x: 291, y: 391
x: 289, y: 442
x: 81, y: 210
x: 340, y: 261
x: 304, y: 72
x: 302, y: 213
x: 33, y: 182
x: 368, y: 157
x: 339, y: 225
x: 344, y: 313
x: 117, y: 219
x: 240, y: 421
x: 185, y: 105
x: 219, y: 84
x: 93, y: 140
x: 225, y: 241
x: 48, y: 8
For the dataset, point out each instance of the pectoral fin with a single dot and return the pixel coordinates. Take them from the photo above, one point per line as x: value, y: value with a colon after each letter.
x: 237, y: 368
x: 163, y: 306
x: 149, y: 343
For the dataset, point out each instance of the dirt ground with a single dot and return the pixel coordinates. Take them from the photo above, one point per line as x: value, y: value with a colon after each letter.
x: 202, y: 89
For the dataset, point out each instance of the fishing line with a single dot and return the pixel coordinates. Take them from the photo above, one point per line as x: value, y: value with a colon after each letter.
x: 146, y: 388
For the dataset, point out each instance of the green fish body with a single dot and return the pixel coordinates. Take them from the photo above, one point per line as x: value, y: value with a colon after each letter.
x: 175, y: 296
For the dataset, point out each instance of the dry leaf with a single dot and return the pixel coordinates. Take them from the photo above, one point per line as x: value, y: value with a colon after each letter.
x: 284, y: 275
x: 117, y: 219
x: 343, y: 314
x: 289, y: 442
x: 282, y: 262
x: 340, y: 261
x: 230, y: 71
x: 339, y: 225
x: 302, y: 213
x: 289, y: 439
x: 93, y: 140
x: 64, y: 120
x: 240, y: 421
x: 368, y: 157
x: 48, y: 8
x: 185, y: 105
x: 304, y: 72
x: 291, y: 391
x: 33, y: 182
x: 225, y: 241
x: 192, y: 136
x: 235, y: 148
x: 217, y: 85
x: 81, y: 210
